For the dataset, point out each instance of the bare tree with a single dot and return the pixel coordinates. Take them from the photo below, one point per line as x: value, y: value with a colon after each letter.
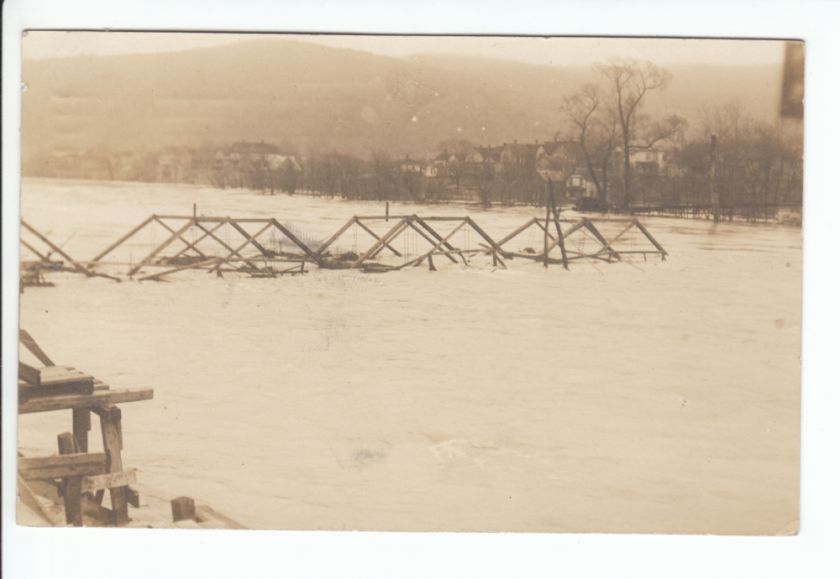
x: 630, y: 81
x: 457, y: 151
x: 595, y: 129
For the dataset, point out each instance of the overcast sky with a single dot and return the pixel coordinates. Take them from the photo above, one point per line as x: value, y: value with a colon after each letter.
x: 535, y: 50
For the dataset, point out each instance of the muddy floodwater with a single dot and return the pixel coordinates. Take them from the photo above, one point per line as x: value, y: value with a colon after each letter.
x: 652, y: 396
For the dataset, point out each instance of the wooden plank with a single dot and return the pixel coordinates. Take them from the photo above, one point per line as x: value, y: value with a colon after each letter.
x: 28, y: 391
x: 97, y: 482
x: 48, y: 404
x: 30, y: 344
x: 31, y: 499
x: 55, y: 375
x: 55, y: 467
x: 212, y: 518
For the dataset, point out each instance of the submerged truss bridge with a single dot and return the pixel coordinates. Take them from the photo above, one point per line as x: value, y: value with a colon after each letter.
x: 163, y: 245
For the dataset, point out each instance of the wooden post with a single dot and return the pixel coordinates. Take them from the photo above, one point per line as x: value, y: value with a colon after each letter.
x: 111, y: 420
x: 183, y: 508
x: 431, y: 264
x: 71, y: 486
x: 81, y: 427
x: 556, y: 212
x: 387, y: 210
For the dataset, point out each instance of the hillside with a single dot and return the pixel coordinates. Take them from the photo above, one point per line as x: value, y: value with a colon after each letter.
x: 322, y: 98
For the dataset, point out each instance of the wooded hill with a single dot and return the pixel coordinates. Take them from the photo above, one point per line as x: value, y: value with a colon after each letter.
x: 318, y: 98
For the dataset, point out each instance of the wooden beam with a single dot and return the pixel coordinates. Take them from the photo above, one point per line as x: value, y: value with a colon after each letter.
x: 223, y: 243
x: 97, y: 482
x: 77, y: 266
x: 166, y: 243
x: 122, y: 239
x: 29, y: 374
x: 517, y: 231
x: 391, y: 234
x: 336, y: 235
x: 431, y: 230
x: 650, y: 237
x: 606, y: 244
x: 200, y: 264
x: 51, y: 403
x: 55, y: 467
x: 40, y: 255
x: 30, y: 344
x: 375, y: 236
x: 207, y: 233
x: 249, y: 239
x: 437, y: 246
x: 424, y: 235
x: 306, y: 249
x: 181, y: 237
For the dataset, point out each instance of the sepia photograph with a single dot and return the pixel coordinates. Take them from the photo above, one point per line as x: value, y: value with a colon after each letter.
x: 453, y: 283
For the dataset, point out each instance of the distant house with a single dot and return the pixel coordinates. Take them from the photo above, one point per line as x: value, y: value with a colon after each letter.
x: 564, y: 162
x: 648, y: 161
x: 411, y: 166
x: 519, y: 154
x: 276, y: 161
x: 491, y: 158
x: 437, y: 166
